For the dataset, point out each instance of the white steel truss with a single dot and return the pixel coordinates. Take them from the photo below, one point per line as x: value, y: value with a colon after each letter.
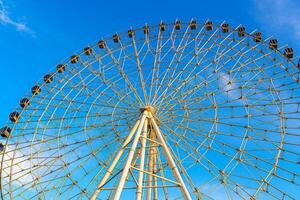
x: 146, y: 128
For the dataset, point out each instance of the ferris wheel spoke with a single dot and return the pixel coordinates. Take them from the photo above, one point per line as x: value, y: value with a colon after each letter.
x: 186, y: 37
x: 84, y: 161
x: 120, y: 68
x: 193, y: 77
x: 244, y: 161
x: 159, y: 60
x: 117, y: 91
x: 177, y: 89
x: 176, y: 56
x: 140, y: 69
x: 90, y: 127
x: 78, y: 145
x: 188, y: 178
x: 216, y: 140
x: 156, y: 64
x: 191, y: 147
x: 208, y: 162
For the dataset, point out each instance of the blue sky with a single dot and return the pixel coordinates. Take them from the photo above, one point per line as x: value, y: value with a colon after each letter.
x: 36, y: 35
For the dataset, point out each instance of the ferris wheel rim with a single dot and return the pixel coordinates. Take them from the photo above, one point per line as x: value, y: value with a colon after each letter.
x: 93, y: 46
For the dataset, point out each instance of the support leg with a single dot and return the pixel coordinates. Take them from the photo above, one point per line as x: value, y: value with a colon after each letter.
x: 155, y: 194
x: 150, y: 167
x: 115, y: 161
x: 142, y: 162
x: 130, y: 157
x: 170, y: 160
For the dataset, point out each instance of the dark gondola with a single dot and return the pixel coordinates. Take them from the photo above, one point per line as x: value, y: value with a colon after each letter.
x: 193, y: 24
x: 130, y: 33
x: 162, y: 26
x: 88, y: 51
x: 177, y: 25
x: 60, y: 68
x: 48, y: 78
x: 241, y: 31
x: 35, y: 90
x: 289, y: 53
x: 101, y: 44
x: 225, y: 27
x: 5, y: 131
x: 209, y: 25
x: 14, y: 117
x: 273, y: 43
x: 24, y: 103
x: 257, y: 37
x: 74, y: 59
x: 116, y: 38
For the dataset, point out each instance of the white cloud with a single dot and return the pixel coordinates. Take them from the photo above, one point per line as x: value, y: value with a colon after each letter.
x: 228, y: 85
x: 280, y: 15
x: 20, y: 170
x: 6, y: 19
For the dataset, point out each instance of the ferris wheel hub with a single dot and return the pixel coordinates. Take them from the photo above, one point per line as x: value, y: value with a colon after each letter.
x: 150, y: 109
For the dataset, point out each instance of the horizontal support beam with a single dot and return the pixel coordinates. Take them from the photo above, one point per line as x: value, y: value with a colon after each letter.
x: 163, y: 178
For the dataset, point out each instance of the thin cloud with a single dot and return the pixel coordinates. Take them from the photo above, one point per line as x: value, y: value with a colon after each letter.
x: 6, y: 19
x: 279, y: 14
x: 228, y: 85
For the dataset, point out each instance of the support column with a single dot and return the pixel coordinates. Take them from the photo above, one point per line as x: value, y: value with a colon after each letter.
x: 130, y: 157
x: 170, y: 160
x: 150, y: 167
x: 115, y: 161
x: 155, y: 194
x: 142, y: 161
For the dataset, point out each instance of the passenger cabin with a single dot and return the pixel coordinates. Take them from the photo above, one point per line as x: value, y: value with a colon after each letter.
x: 289, y: 53
x: 74, y: 59
x: 162, y: 26
x: 257, y: 37
x: 5, y: 131
x: 130, y: 33
x: 60, y: 68
x: 209, y: 25
x: 146, y: 29
x: 101, y: 44
x: 14, y: 117
x: 225, y: 27
x: 241, y: 31
x: 24, y: 103
x: 177, y: 25
x: 273, y: 43
x: 193, y: 24
x: 88, y: 51
x: 48, y: 78
x: 116, y: 38
x: 35, y: 90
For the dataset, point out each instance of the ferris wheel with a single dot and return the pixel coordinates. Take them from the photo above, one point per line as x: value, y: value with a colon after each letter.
x: 172, y: 111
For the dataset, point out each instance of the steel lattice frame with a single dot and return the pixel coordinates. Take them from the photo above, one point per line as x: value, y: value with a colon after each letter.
x: 225, y: 103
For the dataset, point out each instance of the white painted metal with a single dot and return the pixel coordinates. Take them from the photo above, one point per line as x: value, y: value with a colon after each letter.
x: 129, y: 159
x: 140, y: 131
x: 150, y: 168
x: 112, y: 166
x: 155, y: 194
x: 170, y: 160
x: 142, y: 161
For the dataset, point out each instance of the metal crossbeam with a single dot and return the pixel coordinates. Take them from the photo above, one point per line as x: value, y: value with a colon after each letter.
x: 145, y: 129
